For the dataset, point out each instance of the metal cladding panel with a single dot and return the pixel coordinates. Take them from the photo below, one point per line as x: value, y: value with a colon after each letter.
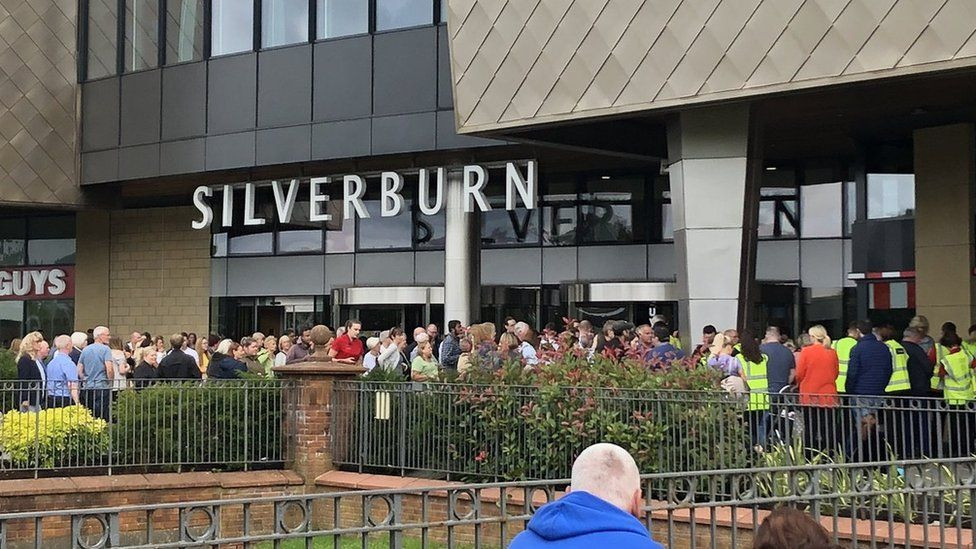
x: 38, y: 95
x: 536, y: 61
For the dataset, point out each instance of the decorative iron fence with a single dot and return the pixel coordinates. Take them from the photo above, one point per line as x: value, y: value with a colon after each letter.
x: 514, y: 432
x: 168, y: 426
x: 904, y: 504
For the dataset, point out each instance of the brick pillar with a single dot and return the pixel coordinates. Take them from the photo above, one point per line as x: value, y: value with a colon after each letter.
x: 309, y: 409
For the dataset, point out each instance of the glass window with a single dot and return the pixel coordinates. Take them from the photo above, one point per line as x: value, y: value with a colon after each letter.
x: 342, y: 18
x: 667, y: 222
x: 61, y: 226
x: 301, y: 235
x: 59, y: 251
x: 283, y: 22
x: 50, y: 316
x: 253, y: 239
x: 232, y: 26
x: 184, y: 30
x: 559, y: 212
x: 12, y: 252
x: 141, y: 34
x: 102, y: 37
x: 443, y: 11
x: 890, y: 195
x: 429, y: 231
x: 250, y: 244
x: 219, y: 246
x: 611, y: 208
x: 777, y: 212
x: 398, y: 14
x: 500, y: 227
x: 381, y: 233
x: 821, y: 210
x: 850, y: 207
x: 11, y: 321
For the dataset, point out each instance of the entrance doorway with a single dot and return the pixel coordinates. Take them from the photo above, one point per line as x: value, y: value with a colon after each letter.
x: 381, y: 308
x: 236, y: 317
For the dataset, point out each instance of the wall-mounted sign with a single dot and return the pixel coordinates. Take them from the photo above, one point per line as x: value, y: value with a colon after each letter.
x: 521, y: 183
x: 26, y: 283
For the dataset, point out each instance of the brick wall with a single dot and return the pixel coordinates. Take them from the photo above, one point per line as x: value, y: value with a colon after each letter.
x: 116, y: 491
x: 159, y: 273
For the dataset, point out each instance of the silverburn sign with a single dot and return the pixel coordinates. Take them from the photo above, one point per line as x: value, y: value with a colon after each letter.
x: 519, y: 184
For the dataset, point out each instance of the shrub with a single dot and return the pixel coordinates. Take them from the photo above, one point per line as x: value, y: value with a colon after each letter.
x: 52, y: 437
x: 218, y: 425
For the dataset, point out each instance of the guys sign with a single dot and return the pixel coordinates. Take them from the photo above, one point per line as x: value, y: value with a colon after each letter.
x: 521, y: 183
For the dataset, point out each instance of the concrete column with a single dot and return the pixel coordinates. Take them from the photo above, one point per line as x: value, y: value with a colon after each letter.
x: 945, y: 176
x: 708, y: 151
x: 462, y: 255
x: 92, y: 262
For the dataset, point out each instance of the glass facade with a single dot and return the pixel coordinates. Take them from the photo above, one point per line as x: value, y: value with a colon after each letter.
x: 102, y: 38
x: 37, y: 240
x: 342, y: 18
x: 398, y: 14
x: 231, y: 26
x: 185, y: 28
x: 283, y: 22
x: 890, y: 195
x: 141, y: 33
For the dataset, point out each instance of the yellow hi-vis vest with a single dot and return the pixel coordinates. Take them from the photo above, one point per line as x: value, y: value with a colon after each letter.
x: 958, y: 378
x: 755, y: 375
x: 843, y: 347
x: 899, y: 368
x: 938, y: 384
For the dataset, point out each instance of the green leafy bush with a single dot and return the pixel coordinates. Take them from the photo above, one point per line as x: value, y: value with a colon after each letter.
x: 223, y: 425
x: 53, y: 437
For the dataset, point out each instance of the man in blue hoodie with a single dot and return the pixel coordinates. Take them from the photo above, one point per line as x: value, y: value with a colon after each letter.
x: 599, y: 510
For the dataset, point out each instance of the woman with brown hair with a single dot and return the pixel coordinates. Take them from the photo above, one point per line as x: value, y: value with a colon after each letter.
x: 789, y: 528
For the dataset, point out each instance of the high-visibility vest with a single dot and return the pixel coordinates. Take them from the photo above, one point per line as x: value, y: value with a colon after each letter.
x: 938, y: 384
x: 969, y: 348
x: 675, y: 342
x: 899, y: 368
x: 843, y: 347
x: 958, y: 378
x: 755, y: 375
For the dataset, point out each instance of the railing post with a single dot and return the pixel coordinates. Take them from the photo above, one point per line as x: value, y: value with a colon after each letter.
x: 311, y: 406
x: 247, y: 426
x: 179, y: 430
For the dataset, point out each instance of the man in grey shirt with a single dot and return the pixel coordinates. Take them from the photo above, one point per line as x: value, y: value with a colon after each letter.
x: 781, y: 366
x: 97, y: 370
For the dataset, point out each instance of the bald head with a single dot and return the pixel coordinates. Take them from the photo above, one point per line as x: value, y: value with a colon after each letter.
x: 608, y: 472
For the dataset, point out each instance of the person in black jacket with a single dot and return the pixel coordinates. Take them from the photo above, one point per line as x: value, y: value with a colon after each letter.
x: 225, y: 362
x: 30, y: 371
x: 177, y: 364
x: 144, y: 374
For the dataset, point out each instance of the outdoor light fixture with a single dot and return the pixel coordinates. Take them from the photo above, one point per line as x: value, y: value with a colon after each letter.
x: 604, y: 177
x: 770, y: 168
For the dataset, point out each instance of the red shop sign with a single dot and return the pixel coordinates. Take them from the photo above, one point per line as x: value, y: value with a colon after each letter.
x: 45, y: 282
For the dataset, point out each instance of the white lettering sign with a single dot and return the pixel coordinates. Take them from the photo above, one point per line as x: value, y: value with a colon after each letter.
x: 47, y: 282
x: 521, y: 185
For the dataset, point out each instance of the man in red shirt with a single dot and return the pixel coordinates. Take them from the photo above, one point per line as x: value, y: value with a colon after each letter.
x: 348, y: 348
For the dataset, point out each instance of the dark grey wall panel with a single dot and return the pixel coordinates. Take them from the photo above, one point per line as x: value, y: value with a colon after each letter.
x: 139, y: 162
x: 100, y: 167
x: 234, y: 150
x: 339, y: 271
x: 613, y: 263
x: 429, y: 268
x: 404, y: 133
x: 100, y: 114
x: 140, y: 108
x: 187, y: 156
x: 497, y: 266
x: 184, y: 101
x: 282, y: 145
x: 343, y: 79
x: 384, y: 269
x: 232, y: 94
x: 260, y: 276
x: 348, y: 138
x: 558, y: 265
x: 445, y: 94
x: 285, y: 86
x: 448, y: 138
x: 218, y: 277
x: 405, y: 69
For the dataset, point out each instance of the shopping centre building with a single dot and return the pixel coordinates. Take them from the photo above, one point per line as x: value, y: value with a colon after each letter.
x: 239, y: 165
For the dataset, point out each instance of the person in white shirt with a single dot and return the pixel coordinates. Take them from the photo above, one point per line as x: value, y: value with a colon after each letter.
x: 524, y: 333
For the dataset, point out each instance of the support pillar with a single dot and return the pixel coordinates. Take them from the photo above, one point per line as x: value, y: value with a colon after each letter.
x: 945, y: 187
x: 462, y: 255
x: 708, y: 150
